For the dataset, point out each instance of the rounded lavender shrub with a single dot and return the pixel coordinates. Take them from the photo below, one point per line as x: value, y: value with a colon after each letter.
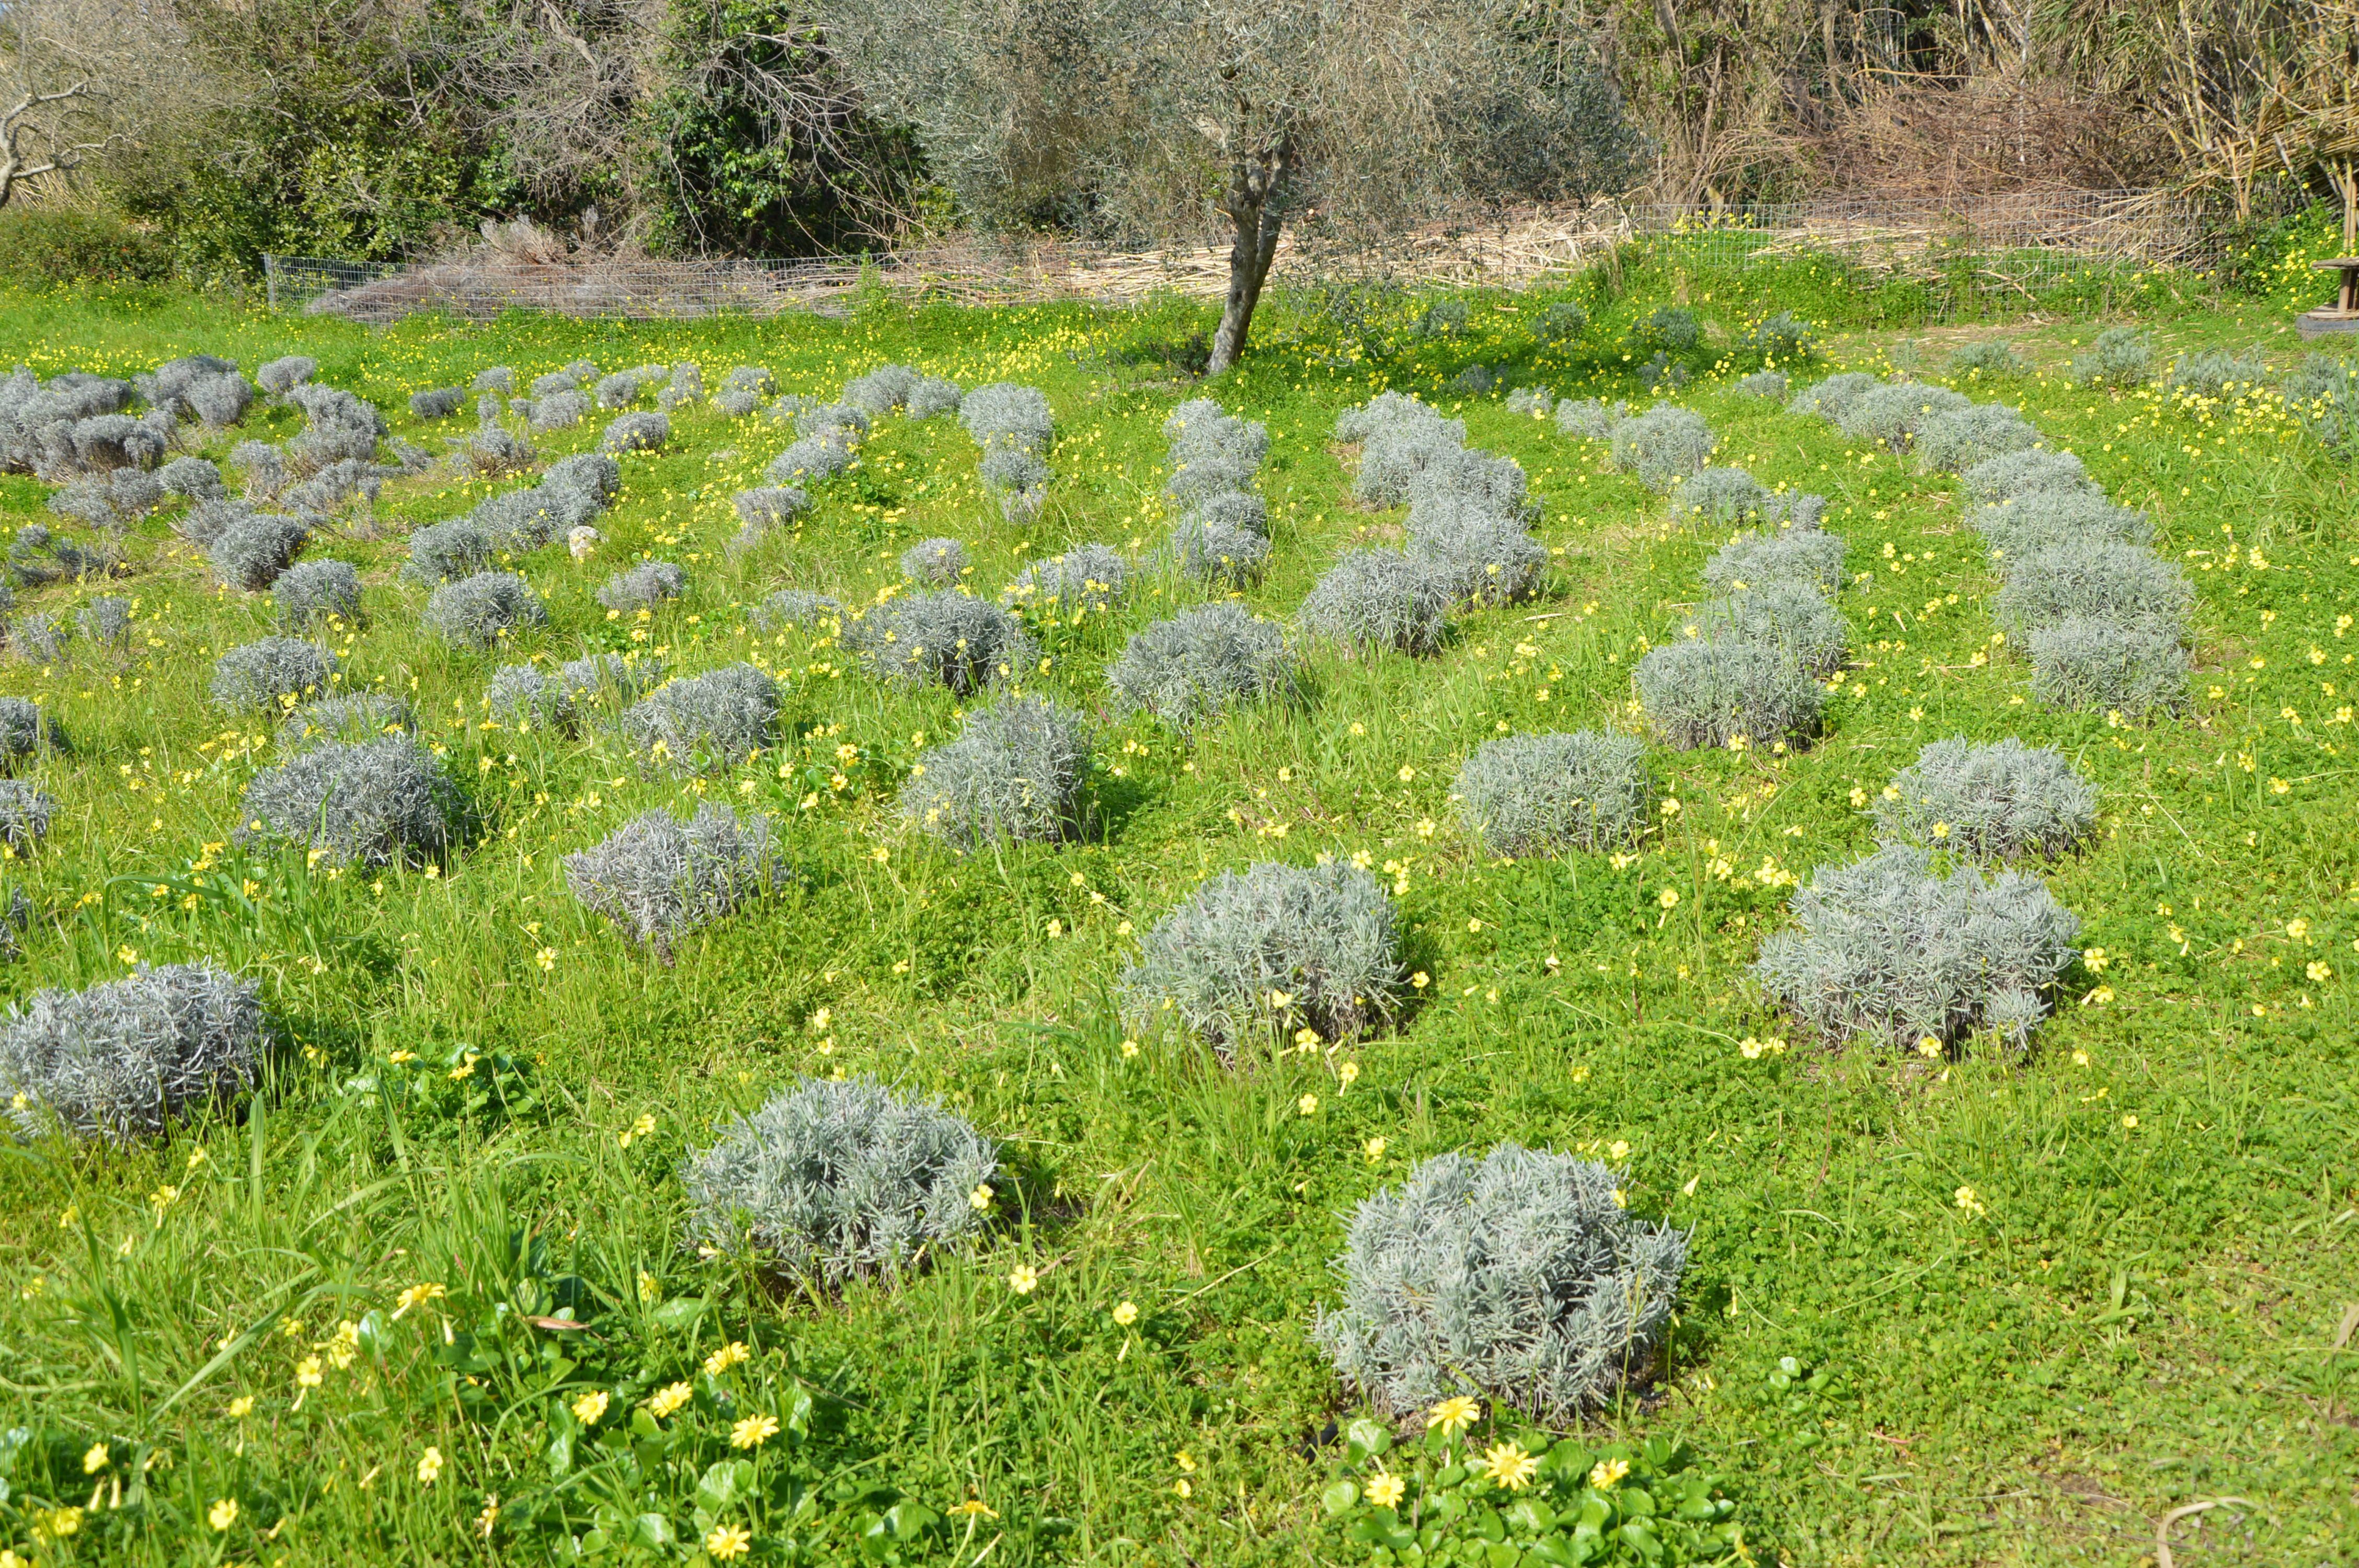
x: 936, y: 562
x: 442, y: 551
x: 26, y: 732
x: 1086, y: 579
x: 744, y: 389
x: 1662, y: 446
x: 1588, y: 418
x: 642, y: 586
x: 1700, y: 692
x: 1399, y: 437
x: 1886, y: 951
x: 1527, y: 795
x: 2025, y: 525
x: 932, y: 396
x: 947, y: 638
x: 1953, y: 440
x: 439, y: 403
x: 1890, y: 414
x: 1017, y: 773
x: 1324, y: 939
x: 125, y: 1060
x: 480, y: 611
x: 1790, y: 555
x: 1791, y: 617
x: 642, y: 432
x: 1720, y: 495
x: 274, y: 672
x: 770, y: 506
x: 1521, y: 1278
x: 2098, y: 663
x: 658, y: 876
x: 252, y: 551
x: 2094, y: 579
x: 1991, y: 802
x: 1481, y: 560
x: 281, y: 376
x: 362, y: 715
x: 715, y: 720
x: 1376, y: 599
x: 2012, y: 474
x: 1201, y: 663
x: 24, y: 813
x: 882, y: 391
x: 793, y: 607
x: 841, y: 1179
x: 314, y: 591
x: 105, y: 621
x: 1831, y: 399
x: 1221, y: 553
x: 385, y: 801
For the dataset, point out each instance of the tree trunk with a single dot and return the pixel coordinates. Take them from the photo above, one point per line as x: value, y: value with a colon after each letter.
x: 1256, y: 246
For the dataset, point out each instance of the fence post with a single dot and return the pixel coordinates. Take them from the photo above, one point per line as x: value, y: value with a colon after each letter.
x: 270, y: 280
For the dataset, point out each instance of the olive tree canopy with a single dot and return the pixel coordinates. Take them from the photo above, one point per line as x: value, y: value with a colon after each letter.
x: 1130, y: 118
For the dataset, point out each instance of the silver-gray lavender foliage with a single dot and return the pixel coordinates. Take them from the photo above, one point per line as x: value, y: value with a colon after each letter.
x: 2128, y: 584
x: 1377, y: 599
x: 1520, y: 1278
x: 1086, y: 577
x: 1526, y: 794
x: 26, y: 732
x: 656, y: 876
x: 1884, y: 950
x: 1700, y: 692
x: 480, y: 611
x: 934, y: 396
x: 1018, y: 772
x: 938, y: 562
x: 374, y: 802
x: 282, y: 376
x: 437, y: 403
x: 1219, y: 552
x: 272, y: 673
x: 338, y: 427
x: 841, y: 1179
x: 2014, y: 474
x: 1769, y: 383
x: 744, y: 389
x: 362, y: 715
x: 494, y: 378
x: 310, y: 592
x: 1891, y: 413
x: 793, y: 607
x: 1324, y: 938
x: 1662, y: 446
x: 1792, y: 618
x: 948, y: 638
x: 39, y: 637
x: 24, y: 813
x: 1953, y: 440
x: 644, y: 431
x: 2023, y: 526
x: 1398, y: 437
x: 1588, y: 418
x: 125, y: 1059
x: 1990, y: 802
x: 1788, y: 554
x: 2102, y: 663
x: 1202, y: 662
x: 883, y: 391
x: 105, y: 621
x: 718, y: 718
x: 522, y: 694
x: 252, y: 551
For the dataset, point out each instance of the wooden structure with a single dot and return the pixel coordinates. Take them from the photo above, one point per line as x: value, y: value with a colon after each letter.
x: 2343, y: 316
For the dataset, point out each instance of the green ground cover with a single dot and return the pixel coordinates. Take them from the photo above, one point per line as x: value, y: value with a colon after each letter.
x: 1957, y: 1311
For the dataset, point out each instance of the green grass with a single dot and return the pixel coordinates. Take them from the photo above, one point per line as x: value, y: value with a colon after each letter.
x: 2137, y: 1317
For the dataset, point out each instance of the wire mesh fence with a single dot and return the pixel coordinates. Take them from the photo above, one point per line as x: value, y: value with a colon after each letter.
x: 1982, y: 253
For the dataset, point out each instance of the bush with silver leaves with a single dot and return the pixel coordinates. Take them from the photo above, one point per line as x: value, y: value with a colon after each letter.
x: 26, y: 732
x: 1520, y: 1278
x: 1018, y: 772
x: 948, y: 638
x: 1890, y: 414
x: 2022, y: 527
x: 1886, y: 951
x: 1398, y: 437
x: 1087, y: 578
x: 842, y: 1179
x: 439, y: 403
x: 936, y: 562
x: 1954, y: 441
x: 1202, y: 662
x: 658, y: 876
x: 125, y: 1060
x: 362, y: 715
x: 1707, y: 692
x: 310, y: 592
x: 885, y: 390
x: 2120, y: 357
x: 281, y: 376
x: 744, y: 389
x: 1590, y: 418
x: 266, y: 672
x: 387, y: 802
x: 251, y: 552
x: 1792, y: 618
x: 1831, y: 399
x: 24, y: 813
x: 715, y: 720
x: 1378, y: 600
x: 105, y: 621
x: 1663, y: 446
x: 645, y: 431
x: 794, y: 606
x: 1789, y: 555
x: 642, y: 586
x: 933, y: 396
x: 2010, y: 475
x: 2095, y: 579
x: 1990, y: 359
x: 38, y: 637
x: 528, y: 698
x: 1535, y: 794
x: 486, y: 609
x: 2090, y: 663
x: 1324, y: 938
x: 1992, y: 802
x: 1769, y: 383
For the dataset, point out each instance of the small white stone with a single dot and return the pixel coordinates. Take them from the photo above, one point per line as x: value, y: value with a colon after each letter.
x: 582, y: 540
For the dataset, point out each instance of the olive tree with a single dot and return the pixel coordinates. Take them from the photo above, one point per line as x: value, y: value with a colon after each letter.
x: 1138, y: 119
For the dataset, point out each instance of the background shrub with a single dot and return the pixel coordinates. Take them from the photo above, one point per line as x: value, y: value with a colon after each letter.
x: 1884, y: 950
x: 1520, y: 1278
x: 268, y: 673
x: 658, y: 876
x: 557, y: 410
x: 1325, y: 937
x: 1990, y: 802
x: 1534, y: 794
x: 1015, y: 774
x: 1987, y: 359
x: 952, y: 638
x: 479, y: 610
x: 1782, y: 339
x: 1480, y: 560
x: 936, y: 562
x: 2215, y: 375
x: 718, y: 718
x: 1665, y: 444
x: 1202, y: 662
x: 125, y: 1059
x: 1703, y: 692
x: 2121, y: 356
x: 1378, y: 600
x: 1832, y: 398
x: 1890, y: 414
x: 1536, y: 401
x: 1769, y: 383
x: 376, y: 803
x: 62, y: 246
x: 310, y: 592
x: 841, y: 1179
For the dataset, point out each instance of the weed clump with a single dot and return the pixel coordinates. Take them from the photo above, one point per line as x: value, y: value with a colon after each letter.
x: 1662, y: 446
x: 642, y: 586
x: 1886, y: 951
x: 376, y: 803
x: 1525, y: 795
x: 480, y: 611
x: 1726, y: 692
x: 1199, y: 664
x: 658, y: 876
x: 938, y: 562
x: 715, y: 720
x: 1269, y: 950
x: 105, y: 621
x: 949, y: 638
x: 315, y: 591
x: 273, y: 673
x: 842, y: 1179
x: 1377, y: 599
x: 1991, y: 803
x: 1017, y: 773
x: 1519, y: 1278
x: 123, y: 1061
